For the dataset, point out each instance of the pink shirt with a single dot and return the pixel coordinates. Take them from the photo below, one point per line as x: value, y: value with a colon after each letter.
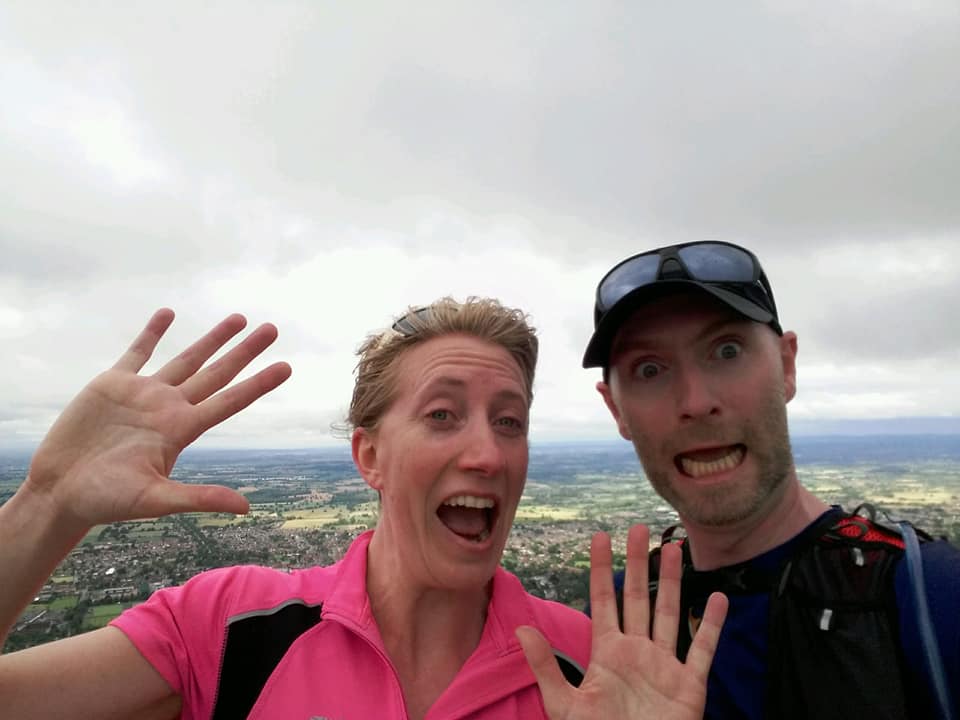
x: 339, y: 669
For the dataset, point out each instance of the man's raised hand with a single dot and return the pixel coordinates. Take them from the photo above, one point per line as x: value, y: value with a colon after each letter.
x: 633, y: 673
x: 109, y: 454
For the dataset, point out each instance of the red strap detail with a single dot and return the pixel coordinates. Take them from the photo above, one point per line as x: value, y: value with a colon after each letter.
x: 852, y: 527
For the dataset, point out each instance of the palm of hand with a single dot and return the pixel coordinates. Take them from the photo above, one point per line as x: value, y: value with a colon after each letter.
x: 633, y: 673
x: 109, y: 454
x: 632, y: 677
x: 118, y: 439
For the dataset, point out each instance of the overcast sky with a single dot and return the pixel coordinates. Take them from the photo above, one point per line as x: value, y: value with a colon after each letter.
x: 324, y: 165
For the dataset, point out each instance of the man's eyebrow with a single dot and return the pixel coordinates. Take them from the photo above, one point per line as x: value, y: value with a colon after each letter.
x: 640, y: 341
x: 714, y: 328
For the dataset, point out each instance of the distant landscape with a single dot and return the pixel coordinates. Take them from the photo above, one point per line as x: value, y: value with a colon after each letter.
x: 308, y: 505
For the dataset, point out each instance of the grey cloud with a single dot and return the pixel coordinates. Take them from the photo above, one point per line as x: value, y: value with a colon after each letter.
x: 264, y: 135
x: 885, y: 301
x: 757, y: 125
x: 901, y: 324
x: 630, y: 120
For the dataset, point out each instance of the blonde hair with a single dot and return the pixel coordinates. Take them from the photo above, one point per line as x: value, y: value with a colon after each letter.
x: 485, y: 318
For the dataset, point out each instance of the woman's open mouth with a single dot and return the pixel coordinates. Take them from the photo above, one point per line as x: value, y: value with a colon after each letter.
x: 470, y: 516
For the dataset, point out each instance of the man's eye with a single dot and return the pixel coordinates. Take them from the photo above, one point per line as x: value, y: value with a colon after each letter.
x: 647, y: 370
x: 728, y: 350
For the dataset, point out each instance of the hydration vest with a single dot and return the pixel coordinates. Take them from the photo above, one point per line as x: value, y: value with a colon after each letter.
x: 834, y: 647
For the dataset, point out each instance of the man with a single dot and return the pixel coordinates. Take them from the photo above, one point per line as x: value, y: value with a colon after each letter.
x: 823, y: 619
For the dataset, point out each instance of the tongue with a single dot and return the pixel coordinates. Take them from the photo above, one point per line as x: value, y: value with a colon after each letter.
x: 469, y: 522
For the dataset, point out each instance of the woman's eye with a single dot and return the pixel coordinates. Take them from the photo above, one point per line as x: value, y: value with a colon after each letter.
x: 728, y: 350
x: 510, y: 426
x: 440, y: 415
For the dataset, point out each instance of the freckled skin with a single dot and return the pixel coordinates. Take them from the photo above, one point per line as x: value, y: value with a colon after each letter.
x: 687, y: 373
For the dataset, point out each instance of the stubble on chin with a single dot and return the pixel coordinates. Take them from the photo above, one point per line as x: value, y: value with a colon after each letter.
x: 768, y: 446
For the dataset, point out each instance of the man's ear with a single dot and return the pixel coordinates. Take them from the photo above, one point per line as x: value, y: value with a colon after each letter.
x: 788, y: 356
x: 607, y: 394
x: 364, y: 447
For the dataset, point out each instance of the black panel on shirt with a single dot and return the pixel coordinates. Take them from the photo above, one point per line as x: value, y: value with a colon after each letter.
x: 253, y: 649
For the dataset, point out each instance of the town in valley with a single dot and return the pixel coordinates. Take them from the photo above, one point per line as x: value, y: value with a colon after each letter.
x: 308, y: 505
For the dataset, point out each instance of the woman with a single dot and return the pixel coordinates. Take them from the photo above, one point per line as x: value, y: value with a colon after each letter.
x: 416, y: 621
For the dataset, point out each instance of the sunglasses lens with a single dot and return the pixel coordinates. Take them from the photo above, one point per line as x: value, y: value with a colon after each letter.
x: 626, y: 277
x: 405, y: 327
x: 717, y: 263
x: 704, y: 261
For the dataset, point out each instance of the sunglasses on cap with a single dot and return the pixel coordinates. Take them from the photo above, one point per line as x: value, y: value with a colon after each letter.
x: 730, y: 273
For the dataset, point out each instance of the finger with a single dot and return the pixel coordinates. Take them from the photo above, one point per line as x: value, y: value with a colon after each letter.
x: 554, y: 688
x: 234, y: 399
x: 603, y: 600
x: 192, y: 359
x: 667, y: 612
x: 171, y: 497
x: 704, y: 645
x: 636, y: 592
x: 219, y: 374
x: 145, y: 343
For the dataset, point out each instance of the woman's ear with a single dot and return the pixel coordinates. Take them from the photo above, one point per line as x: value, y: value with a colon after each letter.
x: 364, y: 447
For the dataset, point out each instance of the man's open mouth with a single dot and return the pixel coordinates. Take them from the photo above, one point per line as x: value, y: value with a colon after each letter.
x: 469, y: 516
x: 710, y: 461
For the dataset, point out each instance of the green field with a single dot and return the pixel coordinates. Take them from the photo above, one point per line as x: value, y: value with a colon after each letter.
x: 552, y: 513
x: 93, y: 535
x: 63, y: 603
x: 217, y: 521
x: 99, y: 615
x: 318, y: 517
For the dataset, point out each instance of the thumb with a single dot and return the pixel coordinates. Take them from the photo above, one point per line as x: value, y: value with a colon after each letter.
x: 554, y: 688
x: 176, y: 497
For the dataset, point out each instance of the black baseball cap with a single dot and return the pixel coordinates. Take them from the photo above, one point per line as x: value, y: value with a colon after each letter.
x: 728, y: 272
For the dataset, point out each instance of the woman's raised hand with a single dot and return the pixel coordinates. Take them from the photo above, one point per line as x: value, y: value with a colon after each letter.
x: 109, y: 454
x: 634, y: 673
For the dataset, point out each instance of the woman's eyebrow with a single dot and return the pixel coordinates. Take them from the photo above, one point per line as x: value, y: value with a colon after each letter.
x: 454, y: 383
x: 443, y: 382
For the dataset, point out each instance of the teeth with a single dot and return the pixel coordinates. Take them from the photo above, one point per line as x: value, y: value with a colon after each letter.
x: 697, y: 468
x: 482, y: 536
x: 470, y: 501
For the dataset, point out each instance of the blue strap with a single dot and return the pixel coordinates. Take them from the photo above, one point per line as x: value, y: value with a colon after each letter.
x: 931, y: 650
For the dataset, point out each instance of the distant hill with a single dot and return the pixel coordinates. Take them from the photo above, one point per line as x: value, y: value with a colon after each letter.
x: 841, y: 441
x: 807, y: 449
x: 884, y: 426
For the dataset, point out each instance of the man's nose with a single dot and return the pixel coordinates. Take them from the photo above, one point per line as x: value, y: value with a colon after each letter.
x: 695, y: 392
